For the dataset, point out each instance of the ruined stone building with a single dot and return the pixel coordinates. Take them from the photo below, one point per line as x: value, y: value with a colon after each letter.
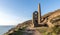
x: 48, y: 20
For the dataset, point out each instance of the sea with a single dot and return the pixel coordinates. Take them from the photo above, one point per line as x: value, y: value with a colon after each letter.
x: 4, y: 29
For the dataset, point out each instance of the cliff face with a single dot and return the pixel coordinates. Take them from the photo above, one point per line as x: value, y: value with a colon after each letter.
x: 27, y: 28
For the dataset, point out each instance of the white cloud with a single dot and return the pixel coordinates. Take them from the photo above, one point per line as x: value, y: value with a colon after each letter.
x: 7, y: 19
x: 10, y: 19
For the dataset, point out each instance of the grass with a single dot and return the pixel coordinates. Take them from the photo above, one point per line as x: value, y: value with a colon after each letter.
x: 49, y: 31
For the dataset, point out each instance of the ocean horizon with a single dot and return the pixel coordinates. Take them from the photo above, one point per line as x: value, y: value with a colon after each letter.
x: 4, y: 29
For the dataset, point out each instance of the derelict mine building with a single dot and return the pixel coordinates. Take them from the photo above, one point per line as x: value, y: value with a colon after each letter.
x: 48, y: 20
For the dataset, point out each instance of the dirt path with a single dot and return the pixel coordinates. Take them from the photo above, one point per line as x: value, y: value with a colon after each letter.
x: 32, y: 32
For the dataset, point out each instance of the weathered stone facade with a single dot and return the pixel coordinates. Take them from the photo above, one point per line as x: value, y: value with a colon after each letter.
x: 39, y: 20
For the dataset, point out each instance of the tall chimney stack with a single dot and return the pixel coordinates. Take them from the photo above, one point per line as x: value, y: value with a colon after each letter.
x: 39, y: 14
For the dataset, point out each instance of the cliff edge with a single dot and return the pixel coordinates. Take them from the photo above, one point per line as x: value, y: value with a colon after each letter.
x: 27, y: 28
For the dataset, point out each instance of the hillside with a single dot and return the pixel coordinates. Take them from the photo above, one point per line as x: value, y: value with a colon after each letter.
x: 27, y: 27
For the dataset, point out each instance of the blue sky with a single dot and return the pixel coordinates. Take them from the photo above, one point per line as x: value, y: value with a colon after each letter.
x: 13, y: 12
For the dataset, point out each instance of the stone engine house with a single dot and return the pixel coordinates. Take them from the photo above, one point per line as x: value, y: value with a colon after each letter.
x: 46, y: 20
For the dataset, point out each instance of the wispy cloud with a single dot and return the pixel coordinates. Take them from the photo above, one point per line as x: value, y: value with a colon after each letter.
x: 8, y: 19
